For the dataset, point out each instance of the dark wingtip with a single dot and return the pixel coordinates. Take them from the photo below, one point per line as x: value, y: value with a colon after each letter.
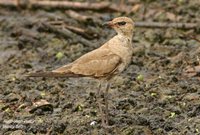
x: 51, y: 74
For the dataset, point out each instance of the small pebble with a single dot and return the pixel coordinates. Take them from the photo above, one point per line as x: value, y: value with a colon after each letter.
x: 93, y: 123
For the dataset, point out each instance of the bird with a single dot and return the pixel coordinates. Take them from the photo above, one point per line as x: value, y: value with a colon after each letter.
x: 103, y: 63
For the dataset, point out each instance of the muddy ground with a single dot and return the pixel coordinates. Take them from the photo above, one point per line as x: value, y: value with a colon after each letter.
x: 154, y: 96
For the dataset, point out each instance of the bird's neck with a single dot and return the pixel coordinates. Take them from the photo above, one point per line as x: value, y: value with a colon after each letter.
x: 127, y: 36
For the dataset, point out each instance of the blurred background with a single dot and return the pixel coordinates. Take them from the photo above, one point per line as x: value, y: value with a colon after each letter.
x: 158, y: 94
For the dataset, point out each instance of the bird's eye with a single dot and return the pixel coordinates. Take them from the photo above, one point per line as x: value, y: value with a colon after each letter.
x: 121, y: 23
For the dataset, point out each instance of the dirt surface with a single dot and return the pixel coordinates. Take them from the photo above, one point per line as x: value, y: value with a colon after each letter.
x: 154, y: 96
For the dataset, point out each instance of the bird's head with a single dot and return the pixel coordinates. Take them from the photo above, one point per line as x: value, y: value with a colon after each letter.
x: 122, y: 25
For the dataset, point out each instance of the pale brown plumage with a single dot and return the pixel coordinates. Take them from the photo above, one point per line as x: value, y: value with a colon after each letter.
x: 111, y: 58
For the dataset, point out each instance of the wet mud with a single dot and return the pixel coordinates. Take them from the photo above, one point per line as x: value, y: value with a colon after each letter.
x: 154, y: 96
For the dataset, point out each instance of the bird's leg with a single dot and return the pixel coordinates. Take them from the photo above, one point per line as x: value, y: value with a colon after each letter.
x: 104, y: 109
x: 100, y: 104
x: 106, y: 104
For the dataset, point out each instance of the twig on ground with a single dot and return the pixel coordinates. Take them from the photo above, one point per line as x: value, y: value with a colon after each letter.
x: 88, y: 34
x: 65, y: 33
x: 85, y: 33
x: 71, y: 5
x: 9, y: 2
x: 84, y: 18
x: 167, y: 25
x: 77, y: 16
x: 191, y: 36
x: 66, y: 4
x: 194, y: 38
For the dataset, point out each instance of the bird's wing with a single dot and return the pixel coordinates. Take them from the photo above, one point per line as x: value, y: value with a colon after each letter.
x: 97, y: 63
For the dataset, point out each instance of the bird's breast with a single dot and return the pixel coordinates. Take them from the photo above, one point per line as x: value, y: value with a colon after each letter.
x: 124, y: 50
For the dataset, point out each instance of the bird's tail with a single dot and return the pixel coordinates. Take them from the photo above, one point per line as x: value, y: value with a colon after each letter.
x: 51, y: 74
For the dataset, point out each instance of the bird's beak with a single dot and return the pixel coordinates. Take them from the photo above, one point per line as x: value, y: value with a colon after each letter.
x: 110, y: 24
